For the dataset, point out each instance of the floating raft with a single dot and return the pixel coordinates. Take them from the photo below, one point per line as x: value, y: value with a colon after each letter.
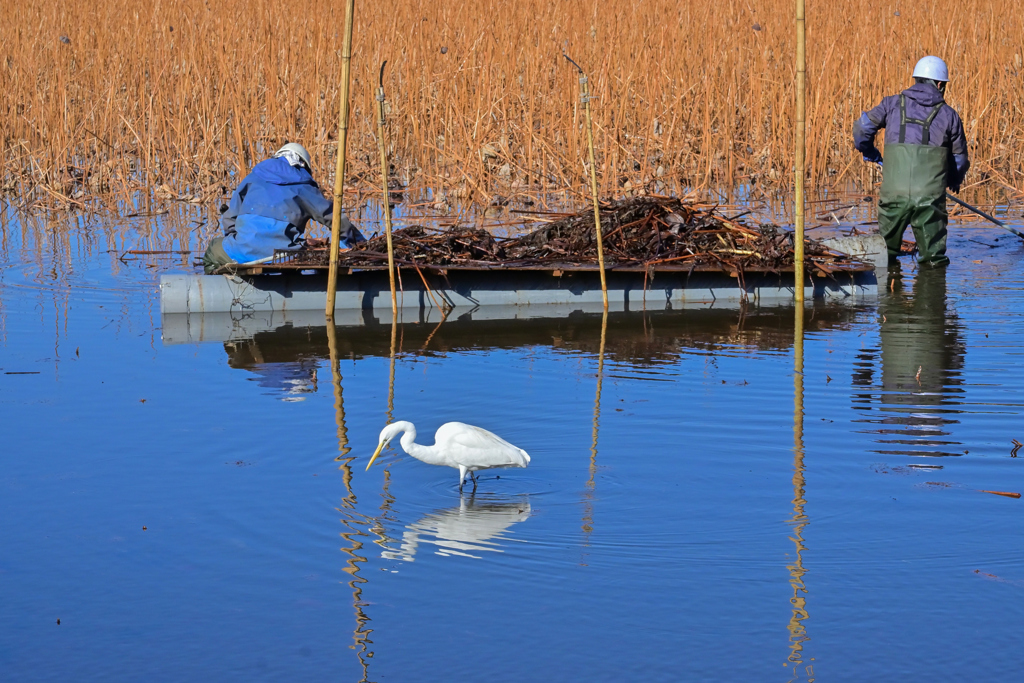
x: 660, y: 252
x: 467, y: 288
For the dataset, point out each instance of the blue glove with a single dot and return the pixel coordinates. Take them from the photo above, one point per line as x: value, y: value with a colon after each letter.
x: 874, y: 157
x: 352, y: 236
x: 955, y: 189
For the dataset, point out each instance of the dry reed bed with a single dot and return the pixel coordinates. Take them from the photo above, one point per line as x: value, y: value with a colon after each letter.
x: 108, y: 96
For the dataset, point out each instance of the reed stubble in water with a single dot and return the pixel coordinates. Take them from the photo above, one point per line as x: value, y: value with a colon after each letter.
x: 102, y: 97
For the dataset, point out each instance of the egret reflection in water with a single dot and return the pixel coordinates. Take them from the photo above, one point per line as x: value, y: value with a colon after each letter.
x: 478, y: 524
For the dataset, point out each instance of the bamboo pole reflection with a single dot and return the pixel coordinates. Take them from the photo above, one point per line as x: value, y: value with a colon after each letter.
x: 377, y: 525
x: 588, y: 496
x: 339, y: 404
x: 391, y: 373
x: 361, y: 632
x: 352, y: 520
x: 798, y: 603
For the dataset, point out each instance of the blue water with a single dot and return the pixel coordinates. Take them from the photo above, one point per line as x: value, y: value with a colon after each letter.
x: 201, y: 511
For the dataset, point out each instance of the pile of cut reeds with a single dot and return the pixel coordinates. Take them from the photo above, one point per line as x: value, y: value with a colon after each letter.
x: 414, y: 245
x: 638, y: 232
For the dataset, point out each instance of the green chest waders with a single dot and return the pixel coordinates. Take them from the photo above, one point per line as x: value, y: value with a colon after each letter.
x: 914, y: 191
x: 215, y: 256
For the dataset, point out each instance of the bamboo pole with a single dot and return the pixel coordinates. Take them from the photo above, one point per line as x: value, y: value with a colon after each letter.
x: 384, y: 182
x: 801, y: 145
x: 339, y: 171
x: 585, y: 99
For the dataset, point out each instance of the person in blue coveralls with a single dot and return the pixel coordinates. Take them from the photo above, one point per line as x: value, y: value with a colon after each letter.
x: 270, y: 209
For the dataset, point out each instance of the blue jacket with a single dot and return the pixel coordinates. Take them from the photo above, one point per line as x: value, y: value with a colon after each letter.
x: 946, y: 130
x: 269, y: 211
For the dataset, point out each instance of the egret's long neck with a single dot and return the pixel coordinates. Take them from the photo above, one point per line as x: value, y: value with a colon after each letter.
x: 426, y: 454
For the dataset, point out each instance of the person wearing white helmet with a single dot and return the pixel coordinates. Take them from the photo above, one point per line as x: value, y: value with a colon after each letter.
x: 269, y: 210
x: 925, y: 153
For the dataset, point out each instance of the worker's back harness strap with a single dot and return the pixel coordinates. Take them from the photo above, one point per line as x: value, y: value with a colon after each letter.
x: 926, y: 124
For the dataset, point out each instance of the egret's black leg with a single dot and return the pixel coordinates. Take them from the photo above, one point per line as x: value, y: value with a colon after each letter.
x: 474, y: 482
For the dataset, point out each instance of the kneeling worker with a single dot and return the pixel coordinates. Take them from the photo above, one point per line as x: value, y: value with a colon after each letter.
x: 269, y: 211
x: 925, y: 152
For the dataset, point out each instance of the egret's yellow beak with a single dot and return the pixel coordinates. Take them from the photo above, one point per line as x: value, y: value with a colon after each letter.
x: 380, y: 447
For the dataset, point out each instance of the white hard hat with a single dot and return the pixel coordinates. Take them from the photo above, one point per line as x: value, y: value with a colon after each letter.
x: 298, y: 150
x: 932, y: 68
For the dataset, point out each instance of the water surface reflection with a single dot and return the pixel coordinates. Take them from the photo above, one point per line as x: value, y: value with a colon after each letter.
x: 285, y: 354
x: 288, y: 370
x: 913, y: 379
x: 270, y: 554
x: 476, y: 525
x: 799, y: 521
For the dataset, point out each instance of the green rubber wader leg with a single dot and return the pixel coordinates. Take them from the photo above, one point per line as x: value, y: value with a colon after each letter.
x: 929, y: 222
x: 894, y: 214
x: 215, y: 256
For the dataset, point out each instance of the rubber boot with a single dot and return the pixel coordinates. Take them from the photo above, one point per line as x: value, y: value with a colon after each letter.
x: 215, y: 256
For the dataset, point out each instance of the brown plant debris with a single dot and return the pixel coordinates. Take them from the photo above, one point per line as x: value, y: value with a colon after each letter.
x: 1007, y: 494
x: 637, y: 232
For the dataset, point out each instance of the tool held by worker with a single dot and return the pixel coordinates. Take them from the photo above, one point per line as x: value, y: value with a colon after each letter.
x: 978, y: 211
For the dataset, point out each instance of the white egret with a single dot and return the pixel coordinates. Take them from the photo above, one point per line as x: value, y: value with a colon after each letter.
x: 462, y: 446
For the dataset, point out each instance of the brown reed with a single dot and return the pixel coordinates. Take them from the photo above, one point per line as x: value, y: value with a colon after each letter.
x: 108, y: 97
